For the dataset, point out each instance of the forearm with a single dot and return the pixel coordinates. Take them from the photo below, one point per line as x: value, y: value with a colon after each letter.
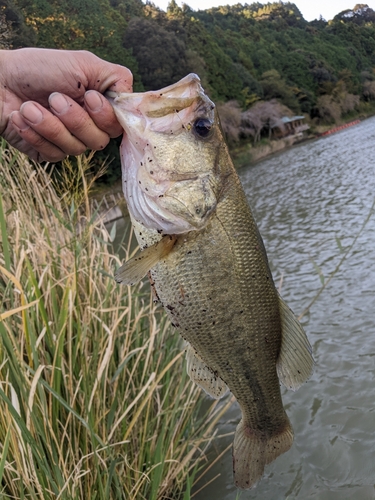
x: 3, y: 90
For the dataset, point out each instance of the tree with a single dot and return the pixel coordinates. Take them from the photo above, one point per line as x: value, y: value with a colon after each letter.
x: 274, y: 87
x: 161, y: 55
x: 5, y: 33
x: 79, y: 24
x: 13, y: 22
x: 368, y: 90
x: 230, y: 119
x: 328, y: 110
x: 262, y: 117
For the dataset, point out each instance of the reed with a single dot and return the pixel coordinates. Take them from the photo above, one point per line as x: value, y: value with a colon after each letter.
x: 95, y: 402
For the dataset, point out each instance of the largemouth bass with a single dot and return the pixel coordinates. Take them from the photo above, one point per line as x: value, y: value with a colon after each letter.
x: 208, y: 266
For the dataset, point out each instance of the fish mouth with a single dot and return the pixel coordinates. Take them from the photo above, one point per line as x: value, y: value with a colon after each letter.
x: 175, y: 97
x: 160, y: 110
x: 166, y: 155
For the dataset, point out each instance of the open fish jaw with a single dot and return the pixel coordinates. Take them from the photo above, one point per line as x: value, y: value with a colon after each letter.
x: 169, y: 179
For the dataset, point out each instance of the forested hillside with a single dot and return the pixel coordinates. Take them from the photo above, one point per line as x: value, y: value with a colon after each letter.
x: 245, y: 54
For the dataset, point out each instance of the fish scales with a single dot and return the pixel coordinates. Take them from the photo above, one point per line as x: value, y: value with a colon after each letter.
x: 207, y: 265
x: 206, y: 290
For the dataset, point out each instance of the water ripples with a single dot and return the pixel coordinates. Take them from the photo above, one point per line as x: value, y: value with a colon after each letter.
x: 309, y: 202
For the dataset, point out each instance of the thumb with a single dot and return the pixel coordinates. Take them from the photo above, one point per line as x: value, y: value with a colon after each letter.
x: 111, y: 76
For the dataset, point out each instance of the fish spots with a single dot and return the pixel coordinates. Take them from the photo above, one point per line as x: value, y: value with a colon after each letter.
x: 151, y: 172
x: 155, y: 296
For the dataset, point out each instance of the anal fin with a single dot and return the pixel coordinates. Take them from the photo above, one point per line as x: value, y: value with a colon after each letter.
x: 295, y: 363
x: 203, y: 376
x: 138, y: 266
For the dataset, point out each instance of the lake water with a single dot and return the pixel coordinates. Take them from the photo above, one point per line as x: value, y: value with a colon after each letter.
x: 310, y: 202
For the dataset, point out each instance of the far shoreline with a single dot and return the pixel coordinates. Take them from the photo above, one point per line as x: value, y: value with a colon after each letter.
x: 249, y: 154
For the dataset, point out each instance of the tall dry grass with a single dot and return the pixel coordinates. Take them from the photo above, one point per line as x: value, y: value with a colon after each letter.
x: 95, y: 402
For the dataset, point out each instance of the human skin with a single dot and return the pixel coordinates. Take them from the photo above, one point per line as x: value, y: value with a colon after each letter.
x: 52, y: 104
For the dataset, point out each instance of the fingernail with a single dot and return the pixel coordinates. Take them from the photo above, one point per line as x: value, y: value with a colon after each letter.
x: 58, y: 103
x: 18, y: 121
x: 93, y: 100
x: 31, y: 113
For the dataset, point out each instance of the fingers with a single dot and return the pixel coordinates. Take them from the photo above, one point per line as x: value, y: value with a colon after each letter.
x: 102, y: 75
x: 45, y: 133
x: 33, y: 144
x: 79, y: 122
x: 102, y: 113
x: 68, y: 129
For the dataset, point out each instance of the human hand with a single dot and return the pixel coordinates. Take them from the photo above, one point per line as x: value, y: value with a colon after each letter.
x: 51, y: 102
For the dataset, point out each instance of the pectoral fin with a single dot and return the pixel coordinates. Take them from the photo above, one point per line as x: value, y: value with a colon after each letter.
x: 295, y: 363
x: 137, y: 267
x: 203, y: 376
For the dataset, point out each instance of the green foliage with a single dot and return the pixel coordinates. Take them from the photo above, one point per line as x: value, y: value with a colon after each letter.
x: 275, y: 87
x: 79, y: 24
x: 160, y: 51
x: 13, y: 19
x: 231, y: 48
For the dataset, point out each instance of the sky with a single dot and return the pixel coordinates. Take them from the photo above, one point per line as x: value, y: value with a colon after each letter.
x: 310, y: 9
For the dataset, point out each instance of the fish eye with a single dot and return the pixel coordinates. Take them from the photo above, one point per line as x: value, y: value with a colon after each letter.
x: 202, y: 127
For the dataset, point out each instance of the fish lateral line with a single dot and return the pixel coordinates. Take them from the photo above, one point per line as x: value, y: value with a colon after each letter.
x: 136, y: 268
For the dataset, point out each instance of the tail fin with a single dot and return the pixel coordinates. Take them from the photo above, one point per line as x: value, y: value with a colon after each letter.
x: 252, y: 452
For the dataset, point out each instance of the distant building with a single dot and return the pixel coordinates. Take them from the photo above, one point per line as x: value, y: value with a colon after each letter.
x: 289, y: 125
